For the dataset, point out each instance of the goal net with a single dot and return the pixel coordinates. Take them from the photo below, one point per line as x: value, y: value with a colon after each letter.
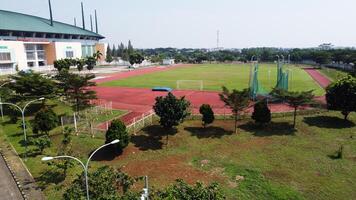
x: 190, y: 85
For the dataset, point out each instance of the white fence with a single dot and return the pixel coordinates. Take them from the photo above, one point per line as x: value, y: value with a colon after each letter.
x: 140, y: 122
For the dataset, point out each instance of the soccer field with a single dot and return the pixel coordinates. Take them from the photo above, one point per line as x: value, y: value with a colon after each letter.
x: 233, y: 76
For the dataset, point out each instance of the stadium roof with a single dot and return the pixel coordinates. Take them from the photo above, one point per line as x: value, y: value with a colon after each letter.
x: 12, y: 21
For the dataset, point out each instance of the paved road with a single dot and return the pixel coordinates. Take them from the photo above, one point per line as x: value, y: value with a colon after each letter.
x: 8, y: 187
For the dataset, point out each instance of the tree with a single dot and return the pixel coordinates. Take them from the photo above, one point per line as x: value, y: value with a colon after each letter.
x: 64, y: 64
x: 341, y: 95
x: 90, y: 62
x: 104, y: 183
x: 236, y: 100
x: 294, y: 99
x: 117, y: 130
x: 42, y: 142
x: 80, y: 62
x: 207, y: 114
x: 261, y: 113
x: 45, y: 120
x: 76, y: 89
x: 171, y: 110
x: 135, y: 58
x: 114, y: 51
x: 120, y: 50
x: 108, y: 58
x: 130, y: 48
x: 31, y: 85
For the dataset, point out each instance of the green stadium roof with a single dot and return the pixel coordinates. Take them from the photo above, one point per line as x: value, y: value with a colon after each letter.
x: 12, y: 21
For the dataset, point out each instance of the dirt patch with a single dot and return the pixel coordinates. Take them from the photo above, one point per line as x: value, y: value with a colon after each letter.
x: 166, y: 170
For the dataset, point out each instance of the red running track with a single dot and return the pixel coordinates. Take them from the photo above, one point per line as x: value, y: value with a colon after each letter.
x: 138, y: 100
x: 318, y: 77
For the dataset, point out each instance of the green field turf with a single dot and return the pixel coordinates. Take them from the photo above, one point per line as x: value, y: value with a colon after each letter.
x: 216, y: 75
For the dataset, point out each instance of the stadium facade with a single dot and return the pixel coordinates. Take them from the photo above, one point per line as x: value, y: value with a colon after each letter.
x: 31, y: 42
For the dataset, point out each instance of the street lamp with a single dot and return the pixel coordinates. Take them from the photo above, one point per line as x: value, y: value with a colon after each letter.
x: 22, y: 110
x: 86, y: 166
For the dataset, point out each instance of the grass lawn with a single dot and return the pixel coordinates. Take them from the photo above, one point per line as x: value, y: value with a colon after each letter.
x: 47, y: 178
x: 271, y: 163
x: 332, y: 74
x: 217, y: 75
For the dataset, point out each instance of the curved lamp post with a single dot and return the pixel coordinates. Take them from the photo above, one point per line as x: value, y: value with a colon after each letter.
x: 22, y: 110
x: 85, y: 166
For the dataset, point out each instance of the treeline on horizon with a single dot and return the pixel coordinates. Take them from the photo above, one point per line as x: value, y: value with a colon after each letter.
x: 318, y: 56
x: 263, y: 54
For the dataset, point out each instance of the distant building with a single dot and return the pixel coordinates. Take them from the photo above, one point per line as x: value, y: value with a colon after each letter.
x: 168, y: 62
x: 30, y: 42
x: 326, y: 46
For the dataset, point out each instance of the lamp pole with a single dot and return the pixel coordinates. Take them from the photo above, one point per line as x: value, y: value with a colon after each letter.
x: 85, y: 166
x: 22, y: 110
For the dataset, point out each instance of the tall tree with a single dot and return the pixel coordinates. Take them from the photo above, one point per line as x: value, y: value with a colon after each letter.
x: 76, y: 88
x: 108, y: 50
x: 236, y: 100
x: 121, y: 49
x: 294, y: 99
x: 130, y: 48
x: 114, y: 51
x: 341, y: 95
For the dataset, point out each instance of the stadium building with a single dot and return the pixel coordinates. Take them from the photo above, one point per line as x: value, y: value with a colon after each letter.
x: 31, y: 42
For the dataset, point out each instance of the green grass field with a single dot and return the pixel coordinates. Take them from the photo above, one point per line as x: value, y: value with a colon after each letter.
x: 276, y: 161
x: 216, y: 75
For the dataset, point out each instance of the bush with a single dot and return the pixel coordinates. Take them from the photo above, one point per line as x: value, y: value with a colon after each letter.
x: 117, y: 130
x: 261, y: 113
x: 341, y: 95
x: 207, y: 114
x: 45, y: 120
x: 42, y: 142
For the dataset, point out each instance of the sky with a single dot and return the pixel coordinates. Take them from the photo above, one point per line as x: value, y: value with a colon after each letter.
x: 194, y: 23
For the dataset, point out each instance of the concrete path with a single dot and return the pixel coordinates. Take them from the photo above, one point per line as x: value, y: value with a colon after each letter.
x: 8, y: 187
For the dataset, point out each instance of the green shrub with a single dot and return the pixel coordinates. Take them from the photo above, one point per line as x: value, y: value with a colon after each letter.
x: 261, y: 113
x: 117, y: 130
x: 207, y: 114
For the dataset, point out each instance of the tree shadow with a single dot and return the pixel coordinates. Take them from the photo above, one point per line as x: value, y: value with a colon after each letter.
x: 208, y: 132
x: 152, y: 137
x: 328, y: 122
x: 273, y: 128
x: 106, y: 154
x: 49, y: 177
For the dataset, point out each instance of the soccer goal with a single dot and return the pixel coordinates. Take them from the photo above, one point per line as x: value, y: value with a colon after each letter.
x: 190, y: 85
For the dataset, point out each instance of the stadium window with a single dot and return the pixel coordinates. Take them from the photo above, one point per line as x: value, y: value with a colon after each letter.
x: 6, y: 66
x: 69, y: 54
x: 5, y: 56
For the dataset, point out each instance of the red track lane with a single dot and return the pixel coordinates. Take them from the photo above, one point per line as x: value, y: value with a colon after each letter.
x: 140, y: 101
x: 318, y: 77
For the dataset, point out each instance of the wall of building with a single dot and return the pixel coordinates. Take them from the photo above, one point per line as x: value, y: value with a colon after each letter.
x: 63, y: 47
x: 50, y: 50
x: 17, y: 50
x: 102, y: 48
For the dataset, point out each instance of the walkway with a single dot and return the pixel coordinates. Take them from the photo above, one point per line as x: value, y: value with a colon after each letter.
x: 8, y: 187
